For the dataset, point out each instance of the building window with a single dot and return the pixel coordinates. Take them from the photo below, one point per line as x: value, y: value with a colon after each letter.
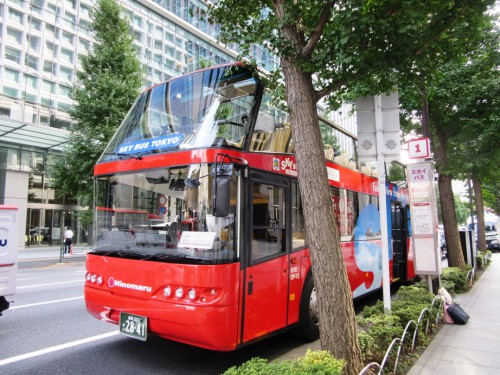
x: 85, y: 28
x: 64, y: 90
x: 68, y: 38
x: 69, y: 20
x: 32, y: 62
x: 48, y: 87
x: 137, y: 21
x: 47, y: 102
x: 16, y: 16
x: 70, y: 4
x: 14, y: 36
x: 31, y: 98
x: 51, y: 32
x: 138, y: 36
x: 67, y: 55
x: 13, y: 54
x: 31, y: 82
x: 36, y: 24
x: 49, y: 67
x: 34, y: 42
x: 84, y: 10
x: 11, y: 91
x: 37, y: 6
x: 66, y: 73
x: 12, y: 75
x: 85, y: 44
x: 4, y: 112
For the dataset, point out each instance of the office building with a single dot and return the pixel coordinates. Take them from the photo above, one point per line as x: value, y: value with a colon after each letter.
x: 41, y: 43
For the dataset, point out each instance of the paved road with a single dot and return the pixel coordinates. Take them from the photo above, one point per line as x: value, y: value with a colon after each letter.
x: 48, y: 331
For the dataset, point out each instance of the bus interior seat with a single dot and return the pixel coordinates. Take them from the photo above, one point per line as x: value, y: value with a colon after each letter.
x: 259, y: 139
x: 280, y: 140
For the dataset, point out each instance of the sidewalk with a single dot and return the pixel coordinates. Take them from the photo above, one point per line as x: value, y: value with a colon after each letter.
x: 474, y: 348
x: 46, y: 251
x: 471, y: 349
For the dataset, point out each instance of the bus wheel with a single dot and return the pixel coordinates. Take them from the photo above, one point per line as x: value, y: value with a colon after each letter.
x: 308, y: 328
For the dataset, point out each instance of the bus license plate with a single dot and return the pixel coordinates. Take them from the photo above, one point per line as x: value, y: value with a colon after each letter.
x: 134, y: 326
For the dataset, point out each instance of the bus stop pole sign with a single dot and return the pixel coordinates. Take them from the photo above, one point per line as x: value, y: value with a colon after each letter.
x: 424, y: 218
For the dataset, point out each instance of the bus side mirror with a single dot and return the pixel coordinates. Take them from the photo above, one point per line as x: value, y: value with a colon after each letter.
x: 221, y: 196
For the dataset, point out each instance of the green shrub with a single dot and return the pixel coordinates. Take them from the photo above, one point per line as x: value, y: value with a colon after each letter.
x: 410, y: 301
x: 314, y: 362
x: 377, y: 329
x: 416, y: 294
x: 483, y: 258
x: 381, y: 330
x: 376, y: 309
x: 457, y: 277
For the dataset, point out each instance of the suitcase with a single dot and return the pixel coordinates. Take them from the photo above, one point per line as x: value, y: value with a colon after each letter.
x: 456, y: 313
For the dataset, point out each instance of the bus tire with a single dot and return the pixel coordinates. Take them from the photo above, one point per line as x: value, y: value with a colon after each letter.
x: 308, y: 328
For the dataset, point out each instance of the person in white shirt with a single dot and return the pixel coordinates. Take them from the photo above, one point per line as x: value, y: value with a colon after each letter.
x: 68, y: 240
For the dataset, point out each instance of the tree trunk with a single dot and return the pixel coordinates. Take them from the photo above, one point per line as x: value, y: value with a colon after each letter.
x: 336, y: 311
x: 480, y: 228
x: 451, y: 235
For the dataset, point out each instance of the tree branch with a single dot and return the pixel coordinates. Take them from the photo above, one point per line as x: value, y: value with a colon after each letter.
x: 318, y: 31
x: 328, y: 90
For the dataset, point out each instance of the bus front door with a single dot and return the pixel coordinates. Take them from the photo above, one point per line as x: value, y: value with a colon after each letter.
x: 266, y: 277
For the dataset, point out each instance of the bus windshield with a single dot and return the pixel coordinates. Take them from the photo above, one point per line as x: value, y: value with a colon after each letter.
x: 161, y: 215
x: 204, y: 109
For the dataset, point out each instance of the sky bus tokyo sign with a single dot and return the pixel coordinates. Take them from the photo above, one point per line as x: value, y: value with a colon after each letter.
x: 145, y: 145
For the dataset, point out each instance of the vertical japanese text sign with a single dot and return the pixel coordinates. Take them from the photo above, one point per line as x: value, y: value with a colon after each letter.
x: 424, y: 219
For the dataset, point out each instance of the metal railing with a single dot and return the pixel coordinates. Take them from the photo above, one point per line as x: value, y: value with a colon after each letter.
x: 412, y: 327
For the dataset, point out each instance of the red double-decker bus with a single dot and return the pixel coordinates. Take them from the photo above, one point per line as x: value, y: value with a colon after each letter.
x: 229, y: 263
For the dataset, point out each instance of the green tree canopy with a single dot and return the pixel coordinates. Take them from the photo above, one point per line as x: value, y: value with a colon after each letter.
x: 106, y: 86
x: 345, y: 45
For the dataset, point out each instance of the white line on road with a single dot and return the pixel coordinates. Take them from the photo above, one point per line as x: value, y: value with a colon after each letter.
x: 56, y: 348
x: 45, y: 303
x: 62, y: 282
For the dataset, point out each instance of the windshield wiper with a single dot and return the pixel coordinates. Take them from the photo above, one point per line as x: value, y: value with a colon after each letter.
x: 163, y: 256
x: 120, y: 253
x: 137, y: 155
x: 182, y: 258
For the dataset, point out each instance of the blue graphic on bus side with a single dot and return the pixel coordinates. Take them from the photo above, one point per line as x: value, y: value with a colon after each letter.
x: 3, y: 242
x: 169, y: 141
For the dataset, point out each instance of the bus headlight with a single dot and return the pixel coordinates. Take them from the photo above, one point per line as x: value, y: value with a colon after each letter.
x: 191, y: 294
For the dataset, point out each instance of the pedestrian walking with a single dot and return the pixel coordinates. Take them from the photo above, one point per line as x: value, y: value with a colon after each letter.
x: 68, y: 240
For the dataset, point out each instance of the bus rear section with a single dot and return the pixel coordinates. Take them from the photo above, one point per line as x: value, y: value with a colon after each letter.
x: 192, y: 304
x: 8, y: 255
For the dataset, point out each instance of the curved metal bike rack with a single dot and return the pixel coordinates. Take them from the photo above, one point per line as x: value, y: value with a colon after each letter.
x: 426, y: 313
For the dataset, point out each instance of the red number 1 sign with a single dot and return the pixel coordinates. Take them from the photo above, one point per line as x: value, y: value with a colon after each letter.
x: 419, y: 148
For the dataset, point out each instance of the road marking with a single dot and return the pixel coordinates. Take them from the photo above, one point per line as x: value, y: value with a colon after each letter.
x: 45, y: 303
x: 62, y: 282
x: 56, y: 348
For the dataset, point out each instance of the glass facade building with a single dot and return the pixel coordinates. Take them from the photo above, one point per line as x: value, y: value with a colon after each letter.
x: 41, y: 44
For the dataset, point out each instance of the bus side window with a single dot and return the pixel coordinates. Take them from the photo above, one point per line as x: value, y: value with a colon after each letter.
x: 268, y: 221
x: 298, y: 228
